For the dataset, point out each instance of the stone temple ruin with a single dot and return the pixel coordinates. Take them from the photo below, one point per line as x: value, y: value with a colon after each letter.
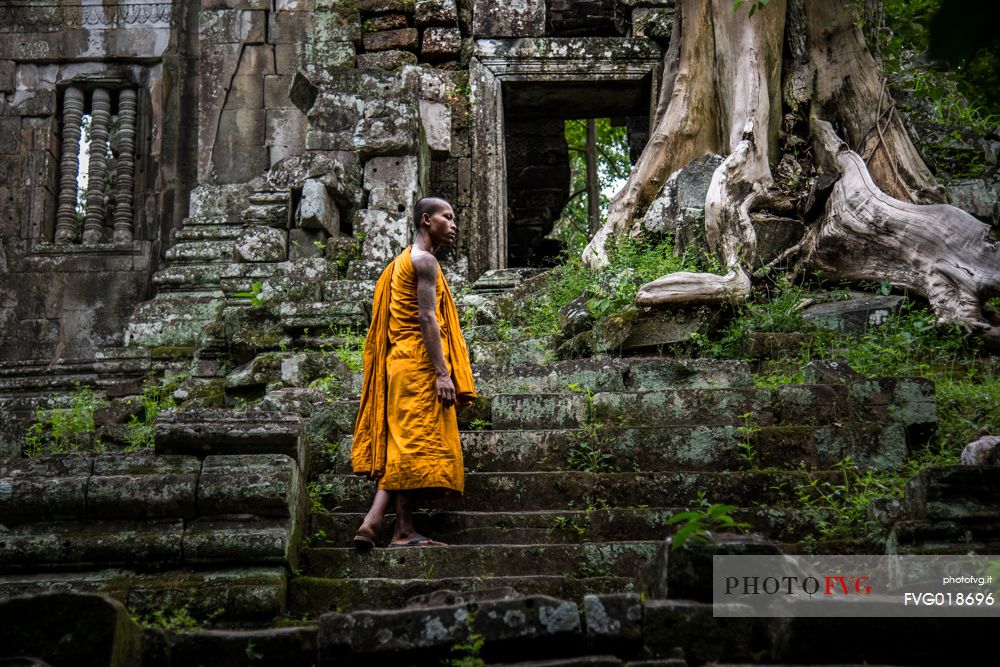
x: 250, y: 166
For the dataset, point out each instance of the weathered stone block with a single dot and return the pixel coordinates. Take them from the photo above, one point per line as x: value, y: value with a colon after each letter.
x: 10, y: 134
x: 669, y: 625
x: 7, y: 76
x: 263, y: 244
x: 289, y: 26
x: 386, y: 60
x: 244, y: 539
x: 404, y: 39
x: 318, y: 210
x: 392, y: 184
x: 613, y: 619
x: 331, y: 112
x: 211, y: 432
x: 246, y: 92
x: 516, y: 18
x: 280, y: 646
x: 441, y: 43
x: 686, y: 573
x: 384, y: 22
x: 386, y: 235
x: 436, y: 12
x: 70, y: 629
x: 142, y: 486
x: 854, y: 315
x: 70, y: 545
x: 231, y: 26
x: 334, y: 26
x: 422, y: 634
x: 54, y: 487
x: 975, y: 197
x: 955, y: 493
x: 329, y: 55
x: 307, y: 244
x: 385, y: 6
x: 39, y: 102
x: 673, y: 326
x: 266, y: 485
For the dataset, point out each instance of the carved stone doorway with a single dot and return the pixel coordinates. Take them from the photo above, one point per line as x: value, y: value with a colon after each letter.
x: 524, y: 83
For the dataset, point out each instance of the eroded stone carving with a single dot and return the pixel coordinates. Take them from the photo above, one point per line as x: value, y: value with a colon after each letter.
x: 125, y: 177
x: 93, y: 223
x: 69, y: 165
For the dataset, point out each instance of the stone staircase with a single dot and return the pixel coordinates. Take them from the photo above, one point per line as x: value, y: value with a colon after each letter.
x: 569, y: 488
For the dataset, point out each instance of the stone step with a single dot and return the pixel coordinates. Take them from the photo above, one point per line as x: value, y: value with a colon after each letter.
x: 207, y: 432
x: 661, y: 448
x: 593, y: 524
x: 216, y: 232
x: 621, y: 559
x: 493, y: 492
x: 538, y: 351
x: 317, y: 595
x: 198, y: 276
x: 321, y: 316
x: 202, y: 251
x: 173, y: 319
x: 602, y: 375
x: 237, y: 595
x: 749, y: 407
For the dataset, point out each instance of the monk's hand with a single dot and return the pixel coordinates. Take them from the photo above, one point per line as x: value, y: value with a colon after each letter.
x: 445, y: 390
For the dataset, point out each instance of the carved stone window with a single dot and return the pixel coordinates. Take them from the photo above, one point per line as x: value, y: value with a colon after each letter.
x: 97, y: 166
x: 514, y: 81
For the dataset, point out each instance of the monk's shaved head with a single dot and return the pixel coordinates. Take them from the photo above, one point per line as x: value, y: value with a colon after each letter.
x: 428, y: 205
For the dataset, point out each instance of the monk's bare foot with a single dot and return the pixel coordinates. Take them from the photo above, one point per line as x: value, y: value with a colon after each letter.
x: 416, y: 541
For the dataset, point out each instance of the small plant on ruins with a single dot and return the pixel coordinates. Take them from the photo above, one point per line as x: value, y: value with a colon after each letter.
x: 698, y: 524
x: 839, y: 507
x: 177, y: 620
x: 590, y: 444
x: 748, y: 450
x: 156, y: 397
x: 254, y: 294
x: 466, y: 654
x: 67, y: 429
x: 480, y: 425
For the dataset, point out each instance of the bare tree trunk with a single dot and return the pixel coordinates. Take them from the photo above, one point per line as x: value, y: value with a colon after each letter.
x: 593, y: 186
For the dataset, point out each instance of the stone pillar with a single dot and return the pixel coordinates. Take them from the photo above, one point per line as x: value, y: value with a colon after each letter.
x: 69, y: 165
x: 125, y: 179
x: 93, y: 223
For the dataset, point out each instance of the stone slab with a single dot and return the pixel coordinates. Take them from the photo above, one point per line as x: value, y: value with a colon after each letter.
x: 209, y: 432
x: 516, y: 18
x: 267, y: 485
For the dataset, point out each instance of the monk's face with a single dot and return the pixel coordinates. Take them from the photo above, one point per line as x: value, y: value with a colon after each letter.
x: 441, y: 226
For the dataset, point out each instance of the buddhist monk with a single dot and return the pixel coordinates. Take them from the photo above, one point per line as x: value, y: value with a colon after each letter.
x: 416, y: 372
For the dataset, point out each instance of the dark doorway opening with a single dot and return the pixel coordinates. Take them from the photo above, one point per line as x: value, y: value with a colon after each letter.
x: 538, y: 155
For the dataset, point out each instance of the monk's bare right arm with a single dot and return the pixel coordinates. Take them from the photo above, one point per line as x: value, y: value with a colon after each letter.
x: 426, y: 268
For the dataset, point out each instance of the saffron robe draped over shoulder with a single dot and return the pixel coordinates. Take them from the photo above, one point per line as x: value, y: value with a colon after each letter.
x: 404, y: 436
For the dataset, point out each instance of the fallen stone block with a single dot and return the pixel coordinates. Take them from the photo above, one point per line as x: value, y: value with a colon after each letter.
x: 960, y: 493
x: 613, y: 621
x: 83, y: 630
x: 853, y: 315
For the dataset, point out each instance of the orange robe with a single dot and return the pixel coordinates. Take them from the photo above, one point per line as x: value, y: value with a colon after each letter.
x: 404, y: 436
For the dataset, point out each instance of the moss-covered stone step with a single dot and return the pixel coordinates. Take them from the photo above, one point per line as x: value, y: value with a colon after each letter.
x: 202, y: 251
x: 239, y: 595
x: 491, y: 560
x: 60, y: 545
x: 174, y: 319
x: 583, y: 524
x: 676, y: 448
x: 212, y: 232
x: 205, y: 432
x: 749, y: 407
x: 323, y: 315
x: 492, y: 492
x: 613, y: 374
x: 317, y: 595
x: 538, y: 351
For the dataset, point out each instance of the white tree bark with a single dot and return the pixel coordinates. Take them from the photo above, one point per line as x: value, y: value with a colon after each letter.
x: 725, y: 97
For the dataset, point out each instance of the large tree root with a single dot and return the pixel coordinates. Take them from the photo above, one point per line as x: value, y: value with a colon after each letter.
x: 937, y: 251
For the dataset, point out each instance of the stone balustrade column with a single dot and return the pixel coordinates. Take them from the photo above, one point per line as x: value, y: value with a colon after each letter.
x: 69, y: 165
x: 93, y: 223
x: 125, y: 178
